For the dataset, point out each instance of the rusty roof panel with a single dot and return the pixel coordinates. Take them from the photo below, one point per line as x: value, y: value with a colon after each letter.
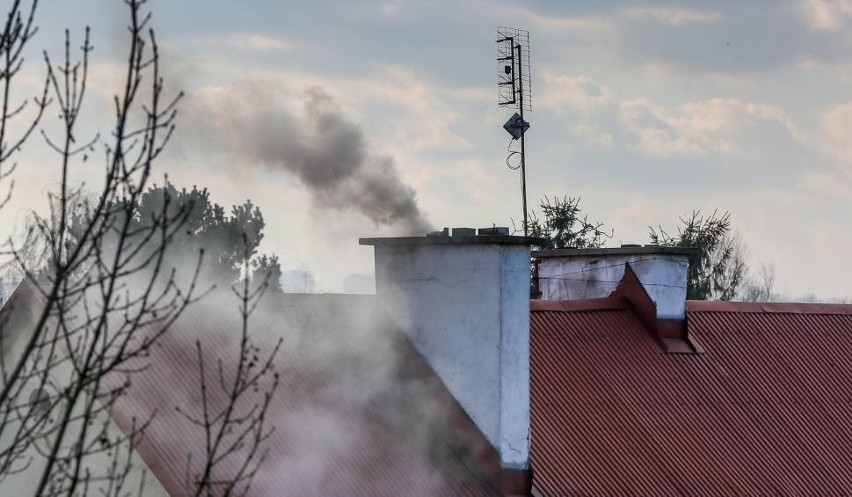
x: 764, y: 412
x: 358, y: 411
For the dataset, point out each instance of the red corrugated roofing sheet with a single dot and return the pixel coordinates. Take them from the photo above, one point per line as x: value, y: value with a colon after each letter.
x: 358, y: 412
x: 766, y: 411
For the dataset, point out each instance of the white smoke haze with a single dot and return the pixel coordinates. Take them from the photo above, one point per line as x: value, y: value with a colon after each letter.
x: 353, y: 414
x: 349, y: 416
x: 322, y: 147
x: 356, y: 412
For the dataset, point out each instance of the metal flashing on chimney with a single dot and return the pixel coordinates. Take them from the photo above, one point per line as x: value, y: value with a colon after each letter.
x: 672, y: 334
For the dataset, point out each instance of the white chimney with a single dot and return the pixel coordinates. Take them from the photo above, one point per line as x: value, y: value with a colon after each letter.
x: 464, y: 302
x: 568, y: 274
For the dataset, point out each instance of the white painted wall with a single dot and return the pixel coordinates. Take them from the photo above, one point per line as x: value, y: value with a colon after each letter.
x: 594, y: 276
x: 515, y: 359
x: 466, y: 309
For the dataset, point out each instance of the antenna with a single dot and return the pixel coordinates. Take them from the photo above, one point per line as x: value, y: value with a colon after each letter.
x: 514, y: 90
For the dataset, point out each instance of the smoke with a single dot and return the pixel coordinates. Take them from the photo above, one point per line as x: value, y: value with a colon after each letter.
x: 356, y: 413
x: 322, y: 147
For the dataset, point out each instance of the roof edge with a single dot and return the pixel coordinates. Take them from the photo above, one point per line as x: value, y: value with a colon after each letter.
x: 693, y: 306
x: 11, y: 294
x: 615, y: 251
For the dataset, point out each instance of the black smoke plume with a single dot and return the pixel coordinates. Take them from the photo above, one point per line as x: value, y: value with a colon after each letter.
x: 328, y: 152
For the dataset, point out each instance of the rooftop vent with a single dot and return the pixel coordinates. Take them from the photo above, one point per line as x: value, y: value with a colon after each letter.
x: 492, y: 231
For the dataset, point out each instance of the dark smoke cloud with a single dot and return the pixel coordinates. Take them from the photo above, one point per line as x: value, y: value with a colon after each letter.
x: 328, y: 152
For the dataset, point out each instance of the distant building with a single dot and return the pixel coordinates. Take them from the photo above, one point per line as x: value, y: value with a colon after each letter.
x: 298, y: 281
x: 359, y: 284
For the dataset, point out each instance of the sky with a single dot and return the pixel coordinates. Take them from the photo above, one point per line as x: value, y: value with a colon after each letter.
x: 349, y: 119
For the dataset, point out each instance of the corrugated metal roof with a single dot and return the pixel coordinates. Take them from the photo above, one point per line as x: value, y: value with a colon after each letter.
x: 357, y: 413
x: 765, y: 411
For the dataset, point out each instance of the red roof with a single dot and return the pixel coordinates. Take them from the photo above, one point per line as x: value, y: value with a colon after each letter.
x: 358, y: 411
x: 764, y: 411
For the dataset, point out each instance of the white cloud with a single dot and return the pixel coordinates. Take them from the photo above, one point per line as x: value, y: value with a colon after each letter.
x: 837, y: 133
x: 252, y: 42
x: 392, y: 8
x: 715, y: 113
x: 429, y: 118
x: 583, y: 26
x: 693, y: 128
x: 259, y: 43
x: 634, y: 212
x: 575, y: 92
x: 828, y: 184
x: 389, y: 8
x: 699, y: 127
x: 673, y: 16
x: 826, y: 15
x: 607, y: 24
x: 591, y: 134
x: 417, y: 113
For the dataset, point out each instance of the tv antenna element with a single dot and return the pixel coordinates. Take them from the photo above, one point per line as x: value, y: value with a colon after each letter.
x: 514, y: 90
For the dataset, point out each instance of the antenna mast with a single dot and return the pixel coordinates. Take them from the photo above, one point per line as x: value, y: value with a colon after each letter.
x: 514, y: 89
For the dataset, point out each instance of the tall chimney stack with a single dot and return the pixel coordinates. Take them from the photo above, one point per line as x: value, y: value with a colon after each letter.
x: 464, y: 302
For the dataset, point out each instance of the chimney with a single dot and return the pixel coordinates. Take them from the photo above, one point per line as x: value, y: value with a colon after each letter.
x: 658, y: 273
x: 569, y: 274
x: 464, y: 302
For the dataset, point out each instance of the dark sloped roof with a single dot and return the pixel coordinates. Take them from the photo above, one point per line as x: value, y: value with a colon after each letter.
x: 358, y: 411
x: 765, y: 411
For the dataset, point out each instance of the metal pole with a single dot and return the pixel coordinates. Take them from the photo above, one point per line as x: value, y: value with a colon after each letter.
x: 523, y: 132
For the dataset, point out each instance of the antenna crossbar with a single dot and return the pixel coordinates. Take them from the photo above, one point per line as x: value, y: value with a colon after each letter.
x: 514, y: 89
x: 513, y: 68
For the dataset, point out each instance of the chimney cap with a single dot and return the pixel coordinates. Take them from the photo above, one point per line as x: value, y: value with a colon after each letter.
x: 628, y: 250
x: 452, y: 240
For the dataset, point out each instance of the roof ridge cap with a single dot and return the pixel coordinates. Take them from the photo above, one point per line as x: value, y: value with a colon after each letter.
x: 579, y: 305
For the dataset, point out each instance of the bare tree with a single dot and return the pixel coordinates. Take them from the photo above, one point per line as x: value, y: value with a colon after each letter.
x: 104, y: 292
x: 94, y: 294
x: 18, y: 30
x: 237, y: 425
x: 760, y: 288
x: 718, y: 269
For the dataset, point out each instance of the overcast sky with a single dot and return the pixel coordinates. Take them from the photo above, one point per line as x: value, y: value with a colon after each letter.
x: 645, y: 110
